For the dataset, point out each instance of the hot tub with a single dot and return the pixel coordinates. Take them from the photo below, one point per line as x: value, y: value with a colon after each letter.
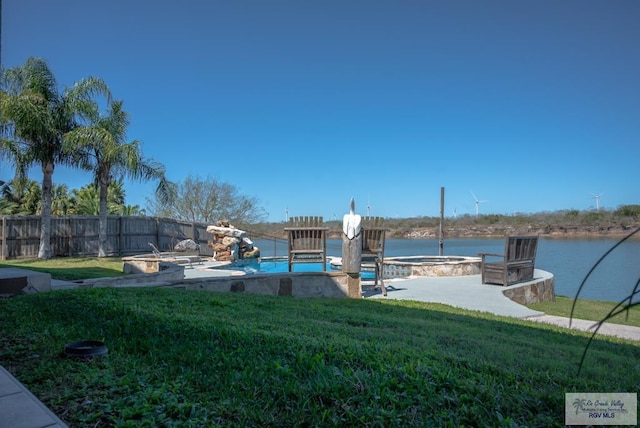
x: 402, y: 267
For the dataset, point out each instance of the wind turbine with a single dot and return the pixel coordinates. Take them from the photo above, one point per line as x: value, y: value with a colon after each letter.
x: 597, y: 198
x: 368, y: 207
x: 477, y: 201
x: 286, y: 214
x: 455, y: 213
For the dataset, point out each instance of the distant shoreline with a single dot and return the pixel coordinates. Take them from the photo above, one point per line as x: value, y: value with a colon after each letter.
x: 492, y: 231
x: 475, y: 232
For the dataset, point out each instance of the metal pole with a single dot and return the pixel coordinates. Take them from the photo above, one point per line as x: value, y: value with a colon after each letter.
x: 441, y: 241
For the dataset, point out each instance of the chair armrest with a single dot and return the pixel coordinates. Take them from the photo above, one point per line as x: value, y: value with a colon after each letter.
x: 521, y: 263
x: 490, y: 254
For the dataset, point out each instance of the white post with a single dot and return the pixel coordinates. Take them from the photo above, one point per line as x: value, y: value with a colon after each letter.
x: 352, y: 250
x: 351, y: 241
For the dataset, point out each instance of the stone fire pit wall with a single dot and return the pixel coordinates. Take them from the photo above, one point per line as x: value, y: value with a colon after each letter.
x: 415, y: 266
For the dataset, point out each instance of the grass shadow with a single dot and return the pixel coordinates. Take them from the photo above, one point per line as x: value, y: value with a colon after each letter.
x: 621, y: 307
x: 69, y: 273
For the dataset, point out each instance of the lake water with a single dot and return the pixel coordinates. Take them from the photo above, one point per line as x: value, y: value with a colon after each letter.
x: 569, y: 260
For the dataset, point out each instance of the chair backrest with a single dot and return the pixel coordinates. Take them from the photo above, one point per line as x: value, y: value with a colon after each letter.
x: 520, y: 248
x: 372, y: 222
x: 306, y: 233
x: 373, y: 235
x: 306, y: 221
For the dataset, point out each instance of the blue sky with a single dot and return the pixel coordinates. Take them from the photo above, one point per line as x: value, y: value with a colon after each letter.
x: 531, y: 105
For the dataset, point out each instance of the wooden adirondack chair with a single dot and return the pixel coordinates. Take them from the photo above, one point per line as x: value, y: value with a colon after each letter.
x: 373, y: 237
x: 516, y: 265
x: 306, y: 241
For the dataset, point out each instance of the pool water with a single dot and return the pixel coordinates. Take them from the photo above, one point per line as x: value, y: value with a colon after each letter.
x: 282, y: 265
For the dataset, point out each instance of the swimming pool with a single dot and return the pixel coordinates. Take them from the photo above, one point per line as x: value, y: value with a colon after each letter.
x: 281, y: 265
x: 393, y: 267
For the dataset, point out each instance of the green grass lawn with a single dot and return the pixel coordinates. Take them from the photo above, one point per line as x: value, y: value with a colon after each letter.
x: 70, y: 268
x: 588, y: 310
x: 189, y: 358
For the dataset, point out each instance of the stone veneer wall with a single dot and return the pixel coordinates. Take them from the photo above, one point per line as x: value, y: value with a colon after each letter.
x: 447, y: 269
x: 165, y: 272
x: 298, y: 284
x: 151, y: 263
x: 536, y: 291
x: 450, y: 268
x: 302, y: 284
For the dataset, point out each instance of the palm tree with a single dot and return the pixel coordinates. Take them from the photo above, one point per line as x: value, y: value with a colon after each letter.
x: 117, y: 194
x: 87, y: 199
x: 101, y: 147
x: 61, y: 202
x: 7, y: 207
x: 24, y: 196
x: 132, y: 210
x: 34, y: 117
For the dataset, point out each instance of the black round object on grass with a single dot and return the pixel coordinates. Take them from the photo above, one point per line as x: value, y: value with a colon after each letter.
x: 85, y: 349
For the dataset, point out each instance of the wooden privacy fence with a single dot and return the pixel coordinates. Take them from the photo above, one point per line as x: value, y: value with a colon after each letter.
x: 78, y: 235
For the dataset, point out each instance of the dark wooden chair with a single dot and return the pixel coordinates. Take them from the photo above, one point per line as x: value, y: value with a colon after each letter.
x: 516, y: 264
x: 306, y: 241
x: 373, y: 237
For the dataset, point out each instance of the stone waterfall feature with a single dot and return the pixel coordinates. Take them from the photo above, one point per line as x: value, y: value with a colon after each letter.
x: 231, y: 244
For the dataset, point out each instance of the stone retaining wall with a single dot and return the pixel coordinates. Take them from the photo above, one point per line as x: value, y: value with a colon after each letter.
x: 541, y: 289
x: 151, y: 264
x: 298, y: 284
x: 167, y: 273
x: 302, y: 284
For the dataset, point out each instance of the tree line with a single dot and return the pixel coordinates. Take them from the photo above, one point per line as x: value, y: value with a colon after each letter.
x: 23, y: 196
x: 44, y: 126
x: 194, y: 199
x: 616, y: 221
